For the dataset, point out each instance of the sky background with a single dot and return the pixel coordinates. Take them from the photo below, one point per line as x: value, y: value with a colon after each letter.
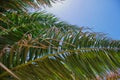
x: 100, y: 15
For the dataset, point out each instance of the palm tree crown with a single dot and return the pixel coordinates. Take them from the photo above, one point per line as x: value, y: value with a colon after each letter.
x: 38, y: 46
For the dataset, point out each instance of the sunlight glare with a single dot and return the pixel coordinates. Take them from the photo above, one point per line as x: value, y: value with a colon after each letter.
x: 59, y: 6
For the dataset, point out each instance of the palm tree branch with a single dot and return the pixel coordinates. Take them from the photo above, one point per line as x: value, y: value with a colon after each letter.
x: 105, y: 54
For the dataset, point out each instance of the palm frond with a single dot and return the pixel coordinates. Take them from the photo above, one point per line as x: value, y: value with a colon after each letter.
x: 9, y: 71
x: 78, y: 64
x: 19, y: 5
x: 17, y: 24
x: 39, y: 46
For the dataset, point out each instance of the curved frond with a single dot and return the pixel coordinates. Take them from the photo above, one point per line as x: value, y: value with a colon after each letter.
x: 24, y: 4
x: 39, y: 46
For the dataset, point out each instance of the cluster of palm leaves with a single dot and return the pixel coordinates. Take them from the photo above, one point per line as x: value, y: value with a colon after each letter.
x: 38, y: 46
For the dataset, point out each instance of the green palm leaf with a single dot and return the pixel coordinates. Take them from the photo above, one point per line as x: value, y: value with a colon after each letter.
x: 42, y: 47
x: 39, y: 46
x: 24, y: 4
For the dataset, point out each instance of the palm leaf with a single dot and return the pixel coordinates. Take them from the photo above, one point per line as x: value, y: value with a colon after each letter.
x: 39, y: 46
x: 18, y: 5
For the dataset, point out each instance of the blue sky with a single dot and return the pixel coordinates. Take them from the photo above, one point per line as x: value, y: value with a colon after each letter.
x: 100, y: 15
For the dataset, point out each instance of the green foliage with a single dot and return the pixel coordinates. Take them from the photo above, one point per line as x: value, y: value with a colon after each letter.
x: 37, y: 46
x: 22, y: 5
